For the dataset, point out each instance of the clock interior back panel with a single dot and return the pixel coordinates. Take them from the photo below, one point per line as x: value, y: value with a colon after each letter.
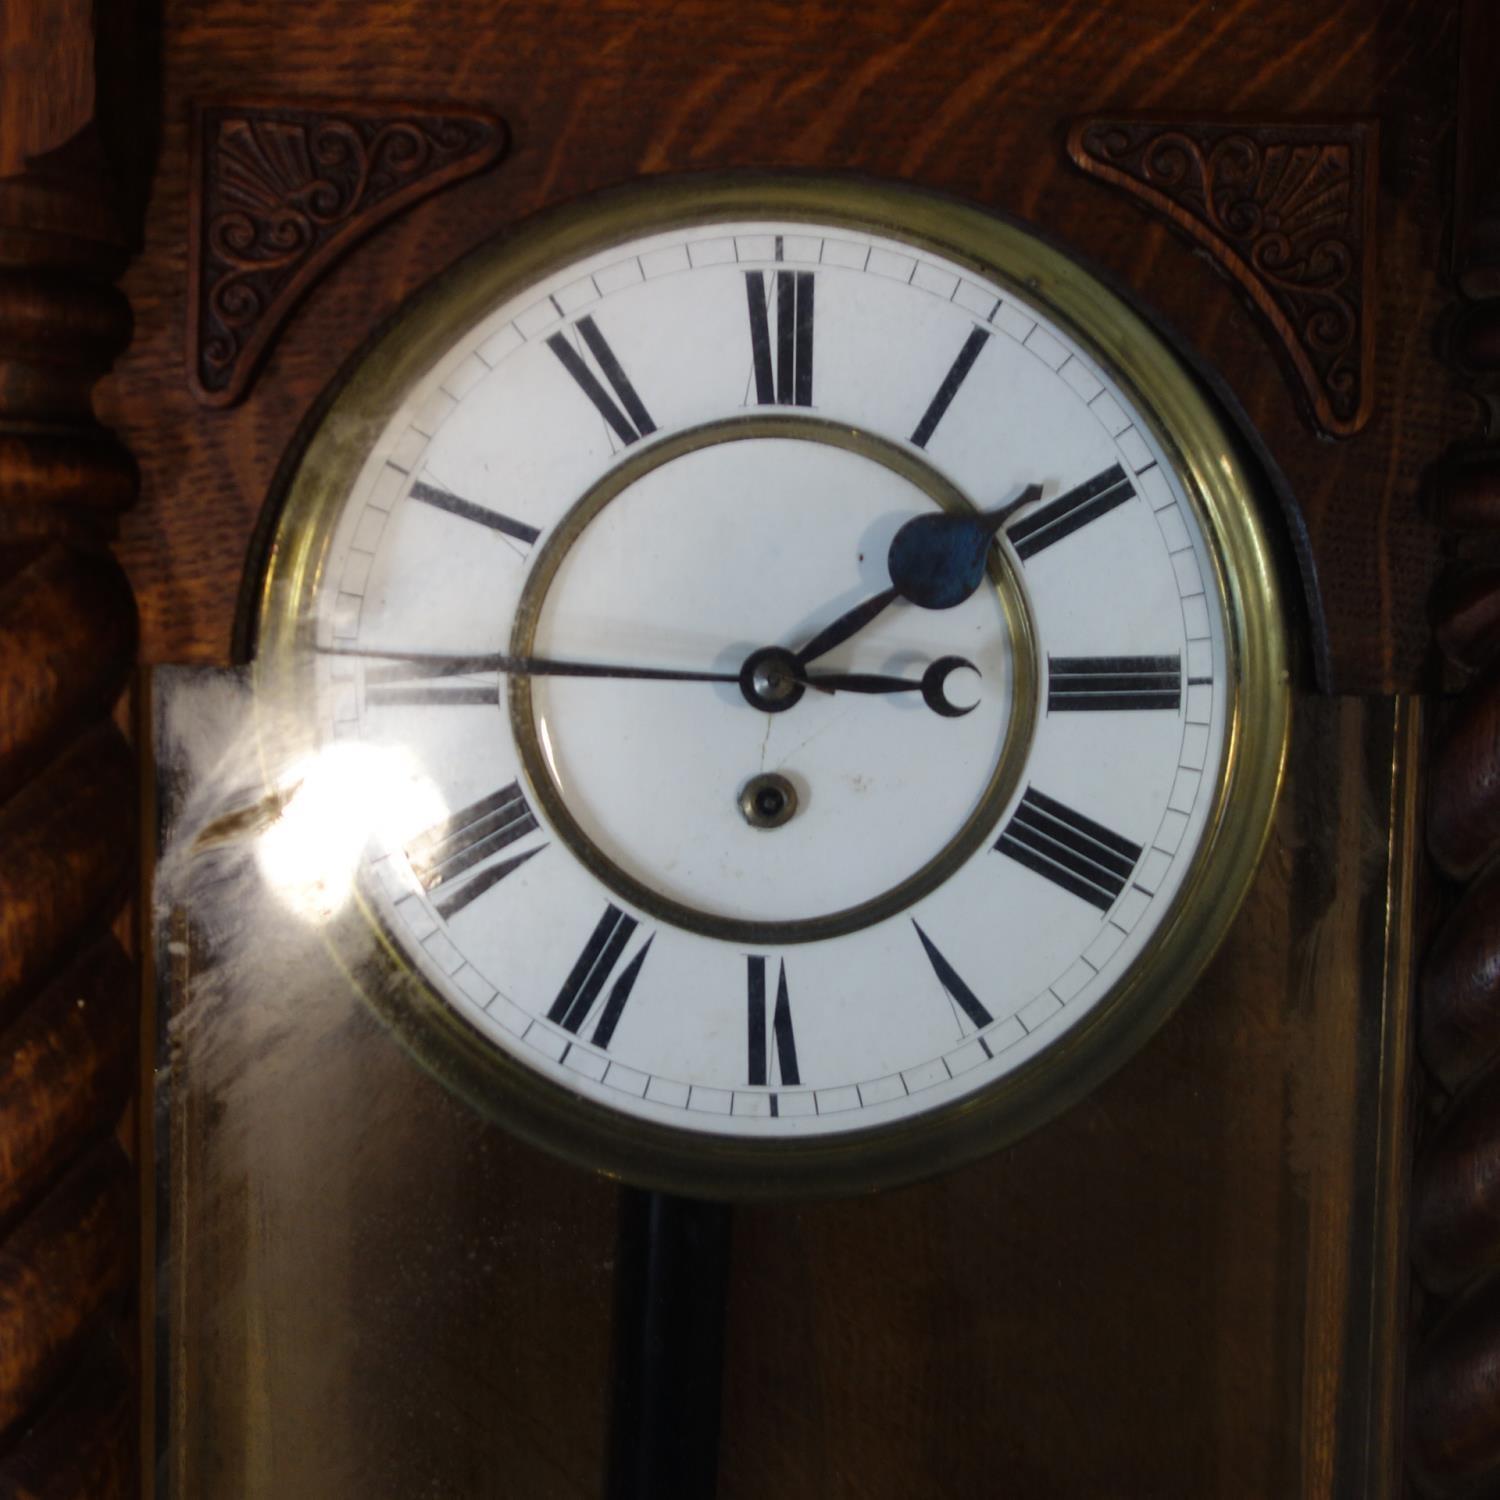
x: 1169, y: 1291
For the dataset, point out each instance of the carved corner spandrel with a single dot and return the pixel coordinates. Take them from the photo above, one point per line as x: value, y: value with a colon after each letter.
x: 1286, y: 210
x: 281, y: 191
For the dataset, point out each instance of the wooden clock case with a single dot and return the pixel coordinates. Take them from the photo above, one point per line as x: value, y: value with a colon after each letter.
x: 1198, y: 1281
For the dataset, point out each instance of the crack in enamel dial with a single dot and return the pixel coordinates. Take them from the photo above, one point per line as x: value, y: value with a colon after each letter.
x: 804, y: 669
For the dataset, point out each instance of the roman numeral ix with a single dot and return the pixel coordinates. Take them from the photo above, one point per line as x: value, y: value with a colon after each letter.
x: 629, y: 425
x: 790, y: 384
x: 399, y: 683
x: 587, y: 978
x: 780, y: 1039
x: 469, y: 838
x: 1085, y: 683
x: 1070, y: 850
x: 1084, y: 503
x: 441, y: 499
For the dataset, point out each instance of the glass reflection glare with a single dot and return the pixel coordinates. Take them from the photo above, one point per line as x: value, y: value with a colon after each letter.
x: 337, y: 801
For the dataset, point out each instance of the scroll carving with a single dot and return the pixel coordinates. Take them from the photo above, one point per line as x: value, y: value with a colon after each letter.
x: 1285, y: 210
x: 281, y: 192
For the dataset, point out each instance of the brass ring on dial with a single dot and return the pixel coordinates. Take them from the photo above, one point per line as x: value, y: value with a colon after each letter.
x: 994, y: 796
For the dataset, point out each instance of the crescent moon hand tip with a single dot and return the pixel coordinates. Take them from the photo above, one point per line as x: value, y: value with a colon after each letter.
x: 934, y: 680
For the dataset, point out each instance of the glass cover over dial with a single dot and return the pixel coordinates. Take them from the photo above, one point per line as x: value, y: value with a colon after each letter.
x: 799, y: 675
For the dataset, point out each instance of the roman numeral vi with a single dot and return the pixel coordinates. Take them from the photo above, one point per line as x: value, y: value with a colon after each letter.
x: 781, y: 1041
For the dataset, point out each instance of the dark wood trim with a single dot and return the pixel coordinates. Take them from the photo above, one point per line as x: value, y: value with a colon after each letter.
x: 70, y: 184
x: 1453, y: 1423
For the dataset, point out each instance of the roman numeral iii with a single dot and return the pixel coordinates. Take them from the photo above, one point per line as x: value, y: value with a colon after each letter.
x: 630, y: 424
x: 790, y: 384
x: 1083, y: 503
x: 1070, y: 850
x: 780, y: 1039
x: 468, y: 838
x: 577, y: 998
x: 1083, y: 683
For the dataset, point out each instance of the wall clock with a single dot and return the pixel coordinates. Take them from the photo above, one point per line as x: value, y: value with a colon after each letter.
x: 809, y: 666
x: 333, y: 1231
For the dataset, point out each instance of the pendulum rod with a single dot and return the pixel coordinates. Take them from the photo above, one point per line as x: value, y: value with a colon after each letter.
x: 671, y: 1277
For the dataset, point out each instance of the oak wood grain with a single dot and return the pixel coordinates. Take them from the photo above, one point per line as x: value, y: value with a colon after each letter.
x: 83, y: 1444
x: 76, y: 141
x: 1456, y: 1192
x: 1453, y: 1439
x: 66, y: 1068
x: 1459, y: 1026
x: 966, y: 97
x: 69, y: 1262
x: 69, y: 842
x: 1463, y: 816
x: 67, y: 644
x: 1454, y: 1419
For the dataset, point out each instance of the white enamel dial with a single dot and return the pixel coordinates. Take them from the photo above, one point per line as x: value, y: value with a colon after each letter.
x: 683, y: 449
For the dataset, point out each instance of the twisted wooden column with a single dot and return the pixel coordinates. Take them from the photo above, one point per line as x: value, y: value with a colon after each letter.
x: 68, y: 792
x: 1454, y: 1393
x: 1454, y: 1380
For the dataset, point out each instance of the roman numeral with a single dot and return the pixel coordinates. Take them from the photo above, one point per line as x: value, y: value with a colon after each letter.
x: 790, y: 384
x: 629, y: 425
x: 469, y: 838
x: 1086, y: 502
x: 1097, y: 682
x: 962, y: 996
x: 400, y: 683
x: 446, y: 694
x: 580, y: 991
x: 441, y: 499
x: 949, y: 388
x: 1072, y: 851
x: 780, y: 1039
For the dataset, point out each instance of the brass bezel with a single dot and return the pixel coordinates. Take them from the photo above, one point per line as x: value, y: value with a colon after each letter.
x: 1204, y: 457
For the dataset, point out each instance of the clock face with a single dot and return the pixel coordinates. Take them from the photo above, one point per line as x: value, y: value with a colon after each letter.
x: 790, y: 674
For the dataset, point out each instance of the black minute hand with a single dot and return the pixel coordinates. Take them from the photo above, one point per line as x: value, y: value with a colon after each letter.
x: 402, y: 666
x: 409, y: 664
